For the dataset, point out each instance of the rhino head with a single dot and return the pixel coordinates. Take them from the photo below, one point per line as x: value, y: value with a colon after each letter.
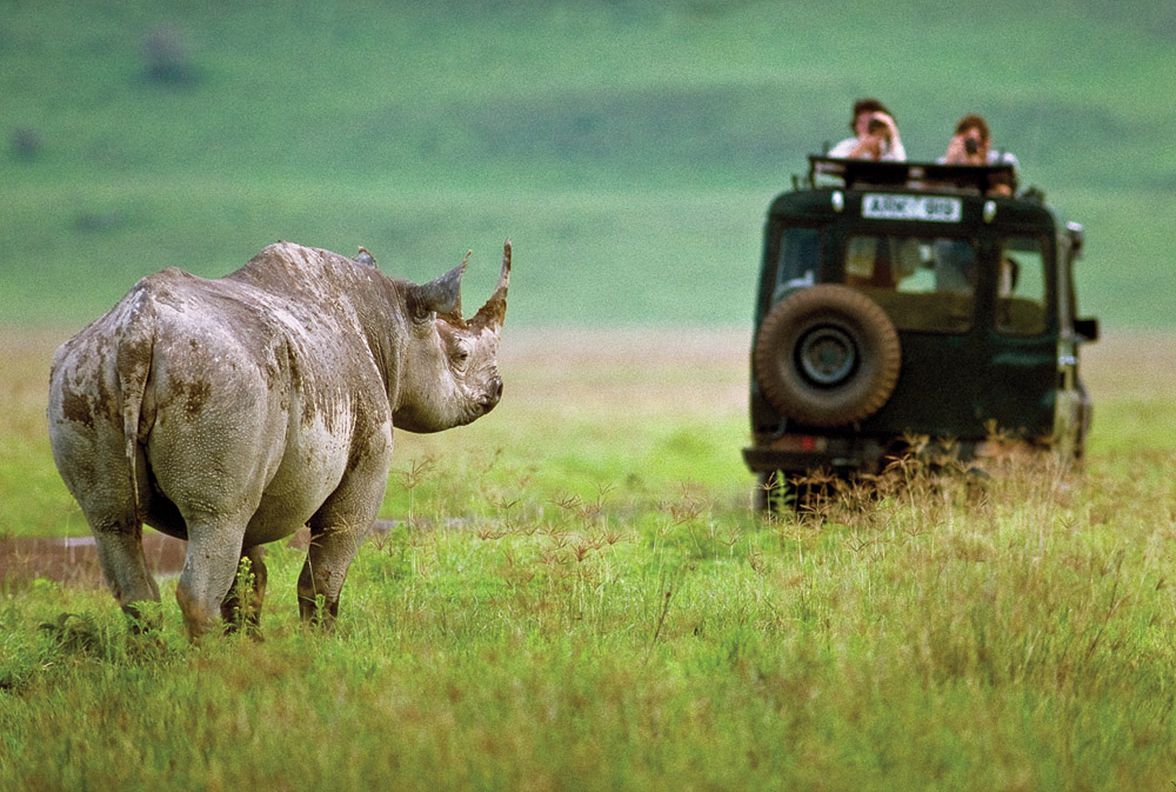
x: 449, y: 372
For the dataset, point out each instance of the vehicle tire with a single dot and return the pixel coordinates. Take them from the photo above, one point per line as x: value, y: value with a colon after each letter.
x: 827, y: 356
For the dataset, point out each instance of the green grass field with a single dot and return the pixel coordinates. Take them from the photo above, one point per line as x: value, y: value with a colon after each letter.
x: 577, y: 595
x: 629, y: 150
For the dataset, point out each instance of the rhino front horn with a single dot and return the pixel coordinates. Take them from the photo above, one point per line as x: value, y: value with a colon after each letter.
x: 493, y: 313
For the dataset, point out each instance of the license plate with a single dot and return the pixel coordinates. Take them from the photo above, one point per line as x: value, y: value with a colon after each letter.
x: 933, y: 208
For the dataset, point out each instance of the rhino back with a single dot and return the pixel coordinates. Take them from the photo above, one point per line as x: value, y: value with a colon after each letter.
x: 290, y: 315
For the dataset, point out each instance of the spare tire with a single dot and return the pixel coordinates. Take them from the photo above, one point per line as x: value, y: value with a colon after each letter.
x: 827, y: 356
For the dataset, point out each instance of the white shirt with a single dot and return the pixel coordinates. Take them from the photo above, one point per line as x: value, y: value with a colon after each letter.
x: 895, y: 152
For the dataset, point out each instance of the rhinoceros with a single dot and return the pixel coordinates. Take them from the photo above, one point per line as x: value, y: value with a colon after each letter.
x: 231, y: 412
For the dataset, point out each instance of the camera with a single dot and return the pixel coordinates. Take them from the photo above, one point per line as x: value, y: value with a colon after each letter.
x: 971, y: 146
x: 877, y: 127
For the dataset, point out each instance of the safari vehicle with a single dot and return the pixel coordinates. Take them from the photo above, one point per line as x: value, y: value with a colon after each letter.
x: 901, y: 300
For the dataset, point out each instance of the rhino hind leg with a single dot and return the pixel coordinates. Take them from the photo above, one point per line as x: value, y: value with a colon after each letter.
x: 90, y: 458
x: 241, y: 609
x: 210, y: 568
x: 120, y: 553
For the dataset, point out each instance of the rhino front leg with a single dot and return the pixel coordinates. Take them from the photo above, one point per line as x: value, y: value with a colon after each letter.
x: 210, y: 568
x: 338, y: 528
x: 241, y: 609
x: 331, y: 552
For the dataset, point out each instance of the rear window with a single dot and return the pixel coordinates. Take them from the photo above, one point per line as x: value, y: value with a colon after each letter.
x: 1021, y: 288
x: 923, y: 283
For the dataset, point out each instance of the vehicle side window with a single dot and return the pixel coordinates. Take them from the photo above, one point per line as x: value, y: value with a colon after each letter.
x: 1021, y: 287
x: 799, y: 259
x: 923, y: 283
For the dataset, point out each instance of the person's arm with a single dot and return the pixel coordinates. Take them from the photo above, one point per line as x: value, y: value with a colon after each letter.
x: 897, y: 152
x: 887, y: 145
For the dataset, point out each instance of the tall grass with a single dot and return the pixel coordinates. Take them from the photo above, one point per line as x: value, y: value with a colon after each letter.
x: 921, y: 642
x: 545, y: 619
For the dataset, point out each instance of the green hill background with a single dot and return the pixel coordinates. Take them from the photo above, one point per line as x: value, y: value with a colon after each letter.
x: 629, y: 149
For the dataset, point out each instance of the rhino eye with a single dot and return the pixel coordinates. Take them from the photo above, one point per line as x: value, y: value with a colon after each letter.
x: 459, y: 357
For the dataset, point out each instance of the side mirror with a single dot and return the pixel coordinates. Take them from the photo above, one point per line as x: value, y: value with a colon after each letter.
x: 1087, y: 329
x: 1077, y: 238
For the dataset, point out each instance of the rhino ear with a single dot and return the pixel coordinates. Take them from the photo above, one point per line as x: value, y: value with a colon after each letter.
x: 439, y: 296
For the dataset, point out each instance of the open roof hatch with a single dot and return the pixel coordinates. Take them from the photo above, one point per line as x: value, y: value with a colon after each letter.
x: 932, y: 176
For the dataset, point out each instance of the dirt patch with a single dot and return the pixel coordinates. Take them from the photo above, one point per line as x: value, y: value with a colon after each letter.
x: 695, y: 372
x: 74, y: 560
x: 1129, y: 365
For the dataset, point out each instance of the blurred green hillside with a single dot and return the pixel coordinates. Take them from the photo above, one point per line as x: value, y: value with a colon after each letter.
x: 629, y: 149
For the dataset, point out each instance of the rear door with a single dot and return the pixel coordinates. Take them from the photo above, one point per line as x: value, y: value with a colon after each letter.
x: 1022, y: 334
x: 922, y: 259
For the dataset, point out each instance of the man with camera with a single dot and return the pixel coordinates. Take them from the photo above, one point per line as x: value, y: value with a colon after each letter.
x: 875, y: 135
x: 971, y: 145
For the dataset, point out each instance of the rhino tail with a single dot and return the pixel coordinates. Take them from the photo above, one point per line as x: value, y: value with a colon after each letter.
x: 133, y: 367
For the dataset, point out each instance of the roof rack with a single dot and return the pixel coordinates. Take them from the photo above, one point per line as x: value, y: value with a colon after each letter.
x: 859, y: 173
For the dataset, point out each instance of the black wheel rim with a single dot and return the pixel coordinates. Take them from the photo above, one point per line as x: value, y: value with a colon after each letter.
x: 827, y: 356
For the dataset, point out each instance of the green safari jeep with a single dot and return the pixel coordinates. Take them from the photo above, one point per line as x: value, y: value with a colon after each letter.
x: 903, y: 299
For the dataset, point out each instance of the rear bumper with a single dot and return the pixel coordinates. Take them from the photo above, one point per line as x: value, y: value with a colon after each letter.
x: 798, y: 453
x: 847, y: 455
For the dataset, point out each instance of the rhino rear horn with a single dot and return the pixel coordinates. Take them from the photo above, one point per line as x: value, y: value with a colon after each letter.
x: 364, y: 257
x: 493, y: 313
x: 441, y: 295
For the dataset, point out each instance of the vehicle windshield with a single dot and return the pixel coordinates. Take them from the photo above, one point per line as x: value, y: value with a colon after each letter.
x: 923, y: 283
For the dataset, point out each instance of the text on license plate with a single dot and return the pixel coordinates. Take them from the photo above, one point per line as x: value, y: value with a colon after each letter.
x: 936, y: 208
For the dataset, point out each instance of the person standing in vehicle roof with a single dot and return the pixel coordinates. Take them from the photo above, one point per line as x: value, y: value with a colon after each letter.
x: 972, y: 145
x: 875, y: 135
